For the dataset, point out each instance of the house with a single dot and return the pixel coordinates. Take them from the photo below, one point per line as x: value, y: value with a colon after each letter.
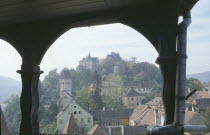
x: 89, y: 62
x: 145, y: 115
x: 71, y: 127
x: 82, y: 117
x: 156, y: 103
x: 194, y: 118
x: 96, y: 130
x: 202, y: 104
x: 199, y: 95
x: 127, y: 130
x: 112, y: 117
x: 132, y: 84
x: 4, y: 128
x: 199, y: 101
x: 109, y: 87
x: 132, y: 99
x: 65, y: 82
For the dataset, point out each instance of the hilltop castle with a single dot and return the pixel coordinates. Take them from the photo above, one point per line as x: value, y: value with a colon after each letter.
x: 89, y: 62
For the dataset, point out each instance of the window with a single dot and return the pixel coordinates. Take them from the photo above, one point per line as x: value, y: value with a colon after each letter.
x: 61, y: 121
x: 75, y: 112
x: 117, y: 123
x: 132, y: 99
x: 80, y: 112
x: 75, y: 106
x: 88, y: 120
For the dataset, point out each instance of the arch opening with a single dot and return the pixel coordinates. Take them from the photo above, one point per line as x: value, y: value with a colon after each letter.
x: 74, y: 52
x: 10, y: 87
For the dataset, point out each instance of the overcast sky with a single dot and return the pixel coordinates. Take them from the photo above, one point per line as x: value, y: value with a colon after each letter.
x: 102, y: 40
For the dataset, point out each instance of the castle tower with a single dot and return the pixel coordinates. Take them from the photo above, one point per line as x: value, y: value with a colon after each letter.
x: 65, y: 82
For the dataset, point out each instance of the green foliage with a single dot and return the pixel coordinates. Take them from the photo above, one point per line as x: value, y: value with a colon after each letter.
x: 81, y: 78
x: 91, y: 99
x: 193, y: 83
x: 82, y: 97
x: 95, y: 98
x: 49, y: 91
x: 47, y: 116
x: 12, y: 113
x: 112, y: 102
x: 108, y: 66
x: 146, y: 72
x: 49, y: 128
x: 117, y: 79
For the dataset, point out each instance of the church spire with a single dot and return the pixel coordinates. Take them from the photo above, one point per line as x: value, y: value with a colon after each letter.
x: 89, y: 55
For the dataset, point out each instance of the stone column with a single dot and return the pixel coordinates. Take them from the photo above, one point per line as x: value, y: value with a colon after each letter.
x: 168, y: 60
x: 29, y: 100
x: 168, y: 69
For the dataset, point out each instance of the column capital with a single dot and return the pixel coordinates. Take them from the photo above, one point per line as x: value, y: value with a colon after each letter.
x: 34, y: 70
x: 166, y: 59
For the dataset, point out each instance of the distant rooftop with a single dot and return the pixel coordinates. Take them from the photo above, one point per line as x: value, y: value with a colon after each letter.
x: 203, y: 104
x: 111, y: 114
x: 199, y: 95
x: 65, y: 73
x: 97, y: 130
x: 155, y: 101
x: 133, y: 93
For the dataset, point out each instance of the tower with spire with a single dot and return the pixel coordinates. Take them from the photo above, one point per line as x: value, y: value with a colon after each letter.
x: 65, y: 83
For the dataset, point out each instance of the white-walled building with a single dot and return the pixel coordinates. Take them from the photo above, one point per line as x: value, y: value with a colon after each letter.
x: 83, y: 118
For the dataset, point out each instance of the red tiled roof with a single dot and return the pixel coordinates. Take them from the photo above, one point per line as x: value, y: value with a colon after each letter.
x: 138, y: 110
x: 71, y: 127
x: 157, y: 101
x: 96, y: 130
x: 203, y: 103
x: 199, y: 95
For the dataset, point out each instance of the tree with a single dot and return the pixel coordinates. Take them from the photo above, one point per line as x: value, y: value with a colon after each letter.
x: 50, y: 88
x: 47, y: 116
x: 82, y: 97
x: 49, y: 128
x: 96, y: 101
x: 112, y: 102
x: 12, y: 113
x: 193, y: 83
x: 108, y: 65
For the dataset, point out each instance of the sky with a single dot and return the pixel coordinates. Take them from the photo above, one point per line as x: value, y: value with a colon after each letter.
x: 101, y: 40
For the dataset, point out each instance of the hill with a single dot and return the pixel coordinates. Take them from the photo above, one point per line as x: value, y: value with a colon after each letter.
x: 8, y: 86
x: 203, y: 77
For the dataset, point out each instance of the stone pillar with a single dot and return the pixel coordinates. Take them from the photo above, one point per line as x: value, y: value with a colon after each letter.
x: 167, y: 60
x: 168, y: 69
x: 29, y: 100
